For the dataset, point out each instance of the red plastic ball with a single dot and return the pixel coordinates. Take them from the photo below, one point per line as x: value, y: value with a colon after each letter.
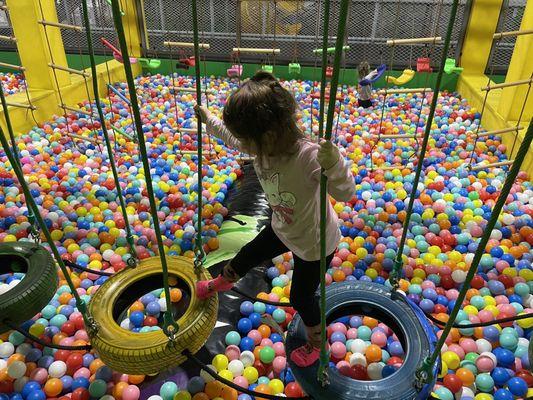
x: 453, y: 383
x: 61, y: 355
x: 293, y: 390
x: 80, y: 394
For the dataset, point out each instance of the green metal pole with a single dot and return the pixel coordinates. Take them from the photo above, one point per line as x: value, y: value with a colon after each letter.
x: 398, y: 262
x: 199, y: 250
x: 170, y: 327
x: 424, y: 372
x: 129, y: 235
x: 323, y: 81
x: 324, y: 358
x: 80, y: 304
x: 31, y: 218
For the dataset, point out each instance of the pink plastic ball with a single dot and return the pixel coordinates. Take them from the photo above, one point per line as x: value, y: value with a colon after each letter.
x: 339, y: 327
x: 232, y: 352
x: 484, y: 364
x: 39, y: 375
x: 378, y: 338
x: 351, y: 333
x: 255, y: 335
x: 336, y: 262
x: 338, y: 350
x: 279, y: 364
x: 131, y: 392
x: 279, y: 348
x: 241, y: 381
x: 485, y: 316
x: 82, y: 373
x: 468, y: 345
x: 266, y: 342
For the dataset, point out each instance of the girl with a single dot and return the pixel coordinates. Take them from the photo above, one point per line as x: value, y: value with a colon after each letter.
x: 259, y: 119
x: 365, y: 87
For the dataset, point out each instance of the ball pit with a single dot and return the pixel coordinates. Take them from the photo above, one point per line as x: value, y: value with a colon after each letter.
x: 74, y: 187
x: 12, y: 83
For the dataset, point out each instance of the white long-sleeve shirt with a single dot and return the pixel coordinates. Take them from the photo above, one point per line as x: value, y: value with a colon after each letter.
x: 292, y: 187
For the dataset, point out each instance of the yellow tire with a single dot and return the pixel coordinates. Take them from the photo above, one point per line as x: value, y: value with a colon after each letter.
x: 151, y: 352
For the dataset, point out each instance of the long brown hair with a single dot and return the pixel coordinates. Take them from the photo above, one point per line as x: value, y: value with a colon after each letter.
x: 263, y: 113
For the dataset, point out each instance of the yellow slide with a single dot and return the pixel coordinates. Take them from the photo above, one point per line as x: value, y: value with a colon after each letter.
x: 405, y: 77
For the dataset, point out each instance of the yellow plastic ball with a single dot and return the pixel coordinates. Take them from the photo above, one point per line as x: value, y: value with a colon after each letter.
x: 526, y: 323
x: 251, y: 374
x: 226, y: 374
x: 276, y: 386
x: 451, y: 359
x: 220, y: 362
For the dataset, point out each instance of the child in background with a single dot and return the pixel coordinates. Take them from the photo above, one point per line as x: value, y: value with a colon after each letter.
x: 259, y: 119
x: 364, y: 87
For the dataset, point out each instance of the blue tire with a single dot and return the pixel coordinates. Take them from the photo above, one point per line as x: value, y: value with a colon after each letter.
x: 404, y: 318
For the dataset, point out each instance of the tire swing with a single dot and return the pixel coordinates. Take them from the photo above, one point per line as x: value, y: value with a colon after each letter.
x: 416, y: 377
x: 33, y: 293
x: 186, y: 327
x: 361, y: 298
x: 150, y: 352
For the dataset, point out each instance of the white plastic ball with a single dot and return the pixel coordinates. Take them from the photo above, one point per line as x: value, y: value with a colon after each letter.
x: 208, y: 378
x: 57, y: 369
x: 358, y: 346
x: 6, y: 349
x: 374, y: 370
x: 16, y: 369
x: 236, y: 367
x: 247, y: 358
x: 357, y: 359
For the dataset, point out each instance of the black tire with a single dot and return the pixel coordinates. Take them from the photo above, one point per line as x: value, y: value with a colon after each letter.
x: 374, y: 300
x: 33, y: 292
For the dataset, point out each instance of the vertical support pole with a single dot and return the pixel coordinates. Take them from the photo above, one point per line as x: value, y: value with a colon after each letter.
x: 520, y: 67
x: 33, y: 46
x: 477, y: 44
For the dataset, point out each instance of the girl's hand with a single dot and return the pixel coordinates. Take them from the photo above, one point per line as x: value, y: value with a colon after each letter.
x: 328, y: 155
x: 202, y: 112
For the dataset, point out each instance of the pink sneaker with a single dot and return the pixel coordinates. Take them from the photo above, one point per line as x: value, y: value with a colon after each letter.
x: 305, y: 355
x: 206, y: 289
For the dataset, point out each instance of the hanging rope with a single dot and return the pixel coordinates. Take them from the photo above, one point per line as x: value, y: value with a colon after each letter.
x: 324, y: 358
x: 424, y: 373
x: 129, y: 235
x: 170, y: 327
x: 398, y: 262
x: 198, y: 245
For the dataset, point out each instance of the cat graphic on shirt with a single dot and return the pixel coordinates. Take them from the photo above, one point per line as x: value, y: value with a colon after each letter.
x: 282, y: 203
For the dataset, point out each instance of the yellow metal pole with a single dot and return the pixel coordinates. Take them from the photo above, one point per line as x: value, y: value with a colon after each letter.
x: 482, y: 24
x: 520, y: 68
x: 35, y: 54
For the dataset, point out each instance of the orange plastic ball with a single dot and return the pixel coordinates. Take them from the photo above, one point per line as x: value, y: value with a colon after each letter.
x: 175, y: 295
x: 213, y: 389
x: 53, y: 387
x: 466, y: 376
x: 264, y: 330
x: 373, y: 353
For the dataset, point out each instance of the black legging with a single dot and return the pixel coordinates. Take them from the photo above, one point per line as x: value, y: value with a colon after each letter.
x: 305, y: 276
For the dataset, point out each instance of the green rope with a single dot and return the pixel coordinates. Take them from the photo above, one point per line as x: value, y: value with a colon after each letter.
x: 395, y: 274
x: 425, y: 372
x: 129, y: 235
x: 31, y: 218
x: 199, y: 250
x: 323, y: 78
x: 80, y: 304
x: 324, y: 357
x: 170, y: 327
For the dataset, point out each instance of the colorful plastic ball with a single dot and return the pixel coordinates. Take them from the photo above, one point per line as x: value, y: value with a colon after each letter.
x: 220, y: 362
x: 517, y: 386
x: 484, y: 382
x: 168, y: 390
x: 233, y: 338
x: 97, y: 388
x: 267, y: 354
